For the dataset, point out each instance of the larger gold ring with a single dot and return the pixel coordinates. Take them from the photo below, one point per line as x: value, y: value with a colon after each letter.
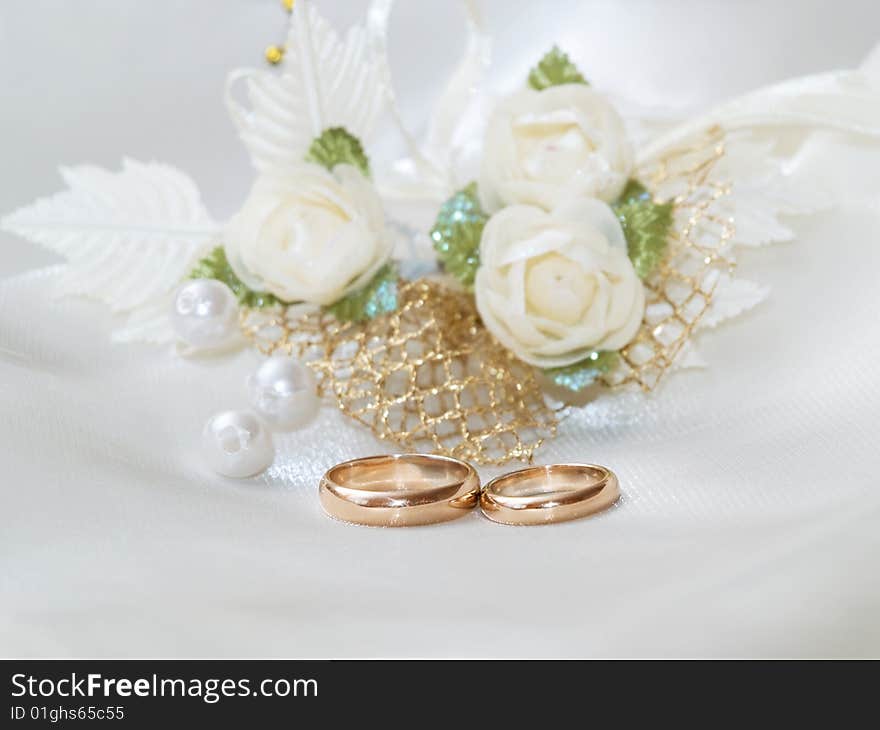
x: 542, y: 494
x: 400, y: 490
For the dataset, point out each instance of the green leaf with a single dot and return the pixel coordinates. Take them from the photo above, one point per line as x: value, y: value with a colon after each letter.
x: 337, y: 146
x: 646, y: 225
x: 377, y: 297
x: 456, y: 234
x: 555, y: 69
x: 634, y: 192
x: 216, y: 266
x: 581, y: 374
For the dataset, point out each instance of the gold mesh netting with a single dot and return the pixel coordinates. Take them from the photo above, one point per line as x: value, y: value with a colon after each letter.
x: 680, y: 291
x: 430, y: 378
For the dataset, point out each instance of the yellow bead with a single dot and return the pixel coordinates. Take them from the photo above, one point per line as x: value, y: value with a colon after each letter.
x: 288, y: 5
x: 274, y: 54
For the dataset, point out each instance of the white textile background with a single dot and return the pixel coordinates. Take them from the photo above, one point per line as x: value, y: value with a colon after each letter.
x: 748, y: 524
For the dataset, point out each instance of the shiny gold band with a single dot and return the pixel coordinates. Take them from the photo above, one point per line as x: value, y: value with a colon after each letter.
x: 399, y: 490
x: 543, y: 494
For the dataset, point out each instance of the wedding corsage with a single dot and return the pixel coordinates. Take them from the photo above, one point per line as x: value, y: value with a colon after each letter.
x: 575, y: 254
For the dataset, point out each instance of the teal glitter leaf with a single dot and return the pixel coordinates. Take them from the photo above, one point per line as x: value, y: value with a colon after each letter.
x: 337, y: 146
x: 646, y: 225
x: 216, y: 266
x: 456, y: 234
x: 582, y: 374
x: 379, y: 296
x: 555, y: 69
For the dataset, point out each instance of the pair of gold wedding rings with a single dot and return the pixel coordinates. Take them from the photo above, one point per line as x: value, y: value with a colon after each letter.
x: 419, y: 489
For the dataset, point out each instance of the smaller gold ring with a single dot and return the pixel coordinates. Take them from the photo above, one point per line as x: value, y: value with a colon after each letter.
x: 539, y: 495
x: 400, y: 490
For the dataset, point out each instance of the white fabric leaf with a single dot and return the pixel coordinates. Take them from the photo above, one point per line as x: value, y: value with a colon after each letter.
x: 327, y: 81
x: 780, y: 140
x: 756, y: 216
x: 762, y: 190
x: 689, y: 357
x: 128, y: 237
x: 731, y: 298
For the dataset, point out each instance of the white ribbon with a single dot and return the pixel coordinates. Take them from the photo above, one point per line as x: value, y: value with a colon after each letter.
x: 429, y: 166
x: 844, y: 101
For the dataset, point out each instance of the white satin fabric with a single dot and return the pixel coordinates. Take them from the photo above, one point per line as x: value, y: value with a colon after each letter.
x: 748, y: 522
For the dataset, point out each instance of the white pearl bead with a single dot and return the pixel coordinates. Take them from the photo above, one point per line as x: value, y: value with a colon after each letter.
x: 236, y: 444
x: 205, y: 313
x: 284, y: 393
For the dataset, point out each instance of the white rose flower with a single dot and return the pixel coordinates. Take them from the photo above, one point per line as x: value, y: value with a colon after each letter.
x: 554, y: 287
x: 309, y: 235
x: 544, y: 146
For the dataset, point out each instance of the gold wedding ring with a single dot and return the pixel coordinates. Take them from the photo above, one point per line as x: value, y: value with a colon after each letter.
x: 399, y: 490
x: 540, y: 495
